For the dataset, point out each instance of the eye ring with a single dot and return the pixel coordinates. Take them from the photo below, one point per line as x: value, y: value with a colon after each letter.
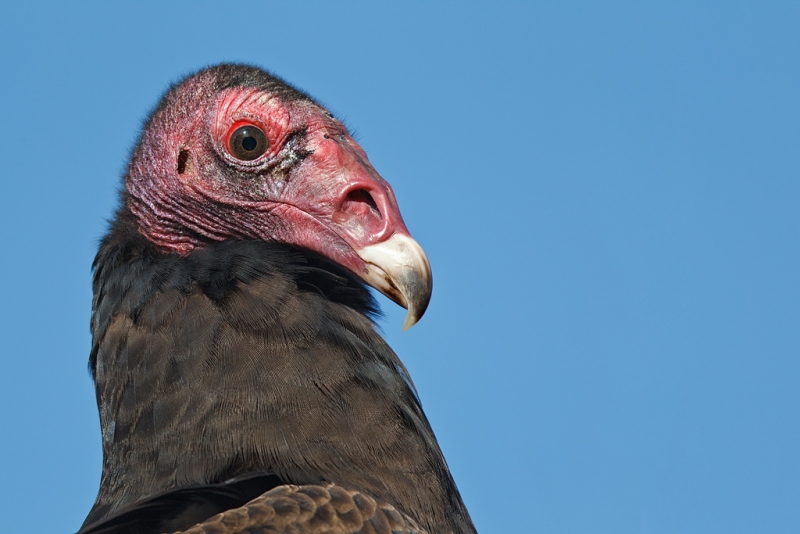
x: 246, y: 141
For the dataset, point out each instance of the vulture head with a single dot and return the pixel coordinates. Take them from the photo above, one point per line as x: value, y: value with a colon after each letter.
x: 234, y: 153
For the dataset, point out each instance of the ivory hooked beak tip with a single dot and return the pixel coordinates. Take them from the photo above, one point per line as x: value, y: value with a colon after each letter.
x: 399, y: 269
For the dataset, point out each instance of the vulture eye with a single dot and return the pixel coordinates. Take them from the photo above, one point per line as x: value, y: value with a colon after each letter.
x: 246, y: 142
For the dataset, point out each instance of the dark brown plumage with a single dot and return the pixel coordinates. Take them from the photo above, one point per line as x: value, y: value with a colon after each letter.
x: 313, y: 510
x: 233, y: 352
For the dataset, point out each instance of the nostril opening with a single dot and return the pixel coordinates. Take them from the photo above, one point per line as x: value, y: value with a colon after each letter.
x: 362, y: 195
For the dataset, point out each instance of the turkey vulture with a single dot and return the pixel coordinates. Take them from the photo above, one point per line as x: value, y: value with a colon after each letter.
x: 240, y: 380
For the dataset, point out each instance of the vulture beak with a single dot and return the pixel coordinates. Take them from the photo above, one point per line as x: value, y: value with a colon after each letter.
x: 399, y: 269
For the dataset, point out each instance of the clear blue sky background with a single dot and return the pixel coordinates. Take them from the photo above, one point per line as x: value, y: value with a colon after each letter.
x: 609, y: 196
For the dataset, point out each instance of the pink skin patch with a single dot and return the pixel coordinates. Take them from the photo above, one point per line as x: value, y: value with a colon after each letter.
x: 313, y: 187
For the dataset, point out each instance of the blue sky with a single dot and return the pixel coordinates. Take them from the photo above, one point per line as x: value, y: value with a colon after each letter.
x: 608, y: 196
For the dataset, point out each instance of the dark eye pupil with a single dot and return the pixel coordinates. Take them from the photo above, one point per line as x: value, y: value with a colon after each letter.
x: 247, y: 143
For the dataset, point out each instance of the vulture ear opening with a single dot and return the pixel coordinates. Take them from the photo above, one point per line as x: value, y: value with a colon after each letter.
x: 184, y: 161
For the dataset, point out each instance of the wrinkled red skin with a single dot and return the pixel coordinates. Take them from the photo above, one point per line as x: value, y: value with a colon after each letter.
x: 300, y: 192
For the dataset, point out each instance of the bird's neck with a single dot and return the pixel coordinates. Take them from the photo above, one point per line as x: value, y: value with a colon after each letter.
x: 251, y: 356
